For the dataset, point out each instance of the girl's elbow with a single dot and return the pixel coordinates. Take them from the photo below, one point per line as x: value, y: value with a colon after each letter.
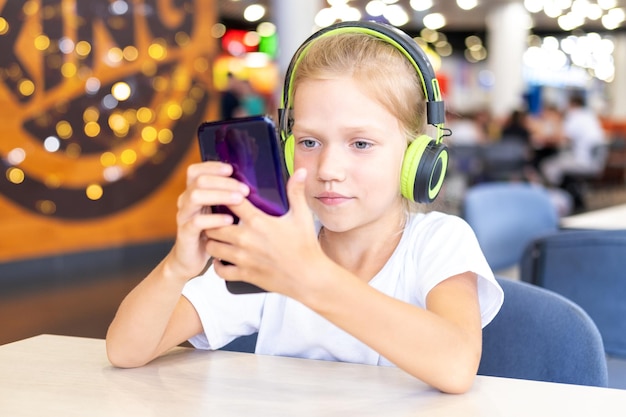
x: 458, y: 383
x: 120, y: 357
x: 457, y: 376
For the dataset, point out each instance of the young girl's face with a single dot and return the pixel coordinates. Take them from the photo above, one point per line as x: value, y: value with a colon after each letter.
x: 352, y: 148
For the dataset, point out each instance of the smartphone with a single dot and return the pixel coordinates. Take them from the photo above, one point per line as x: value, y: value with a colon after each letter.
x: 252, y: 147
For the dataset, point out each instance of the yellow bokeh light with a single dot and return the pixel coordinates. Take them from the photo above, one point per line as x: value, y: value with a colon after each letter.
x: 149, y: 134
x: 251, y: 38
x: 148, y: 68
x: 4, y: 26
x: 128, y: 157
x: 42, y: 42
x: 196, y: 93
x: 83, y: 48
x: 64, y: 129
x: 46, y: 206
x: 26, y: 87
x: 92, y: 129
x: 149, y: 149
x: 73, y: 150
x: 157, y: 50
x: 130, y: 53
x: 181, y: 38
x: 121, y: 91
x: 52, y: 181
x: 15, y: 175
x: 174, y: 111
x: 165, y: 136
x: 145, y: 115
x: 189, y: 106
x: 91, y: 114
x: 118, y: 122
x: 94, y: 192
x: 108, y: 159
x: 68, y: 70
x: 30, y: 8
x: 131, y: 116
x: 218, y: 30
x: 115, y: 55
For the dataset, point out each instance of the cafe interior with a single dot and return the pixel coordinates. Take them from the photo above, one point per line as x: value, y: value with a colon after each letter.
x: 102, y: 101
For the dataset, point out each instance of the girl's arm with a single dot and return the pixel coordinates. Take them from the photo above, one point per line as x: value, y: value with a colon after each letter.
x: 154, y: 316
x: 440, y: 345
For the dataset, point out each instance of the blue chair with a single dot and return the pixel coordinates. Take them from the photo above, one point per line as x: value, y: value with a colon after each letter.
x: 246, y: 344
x: 589, y: 268
x: 542, y: 336
x: 506, y: 216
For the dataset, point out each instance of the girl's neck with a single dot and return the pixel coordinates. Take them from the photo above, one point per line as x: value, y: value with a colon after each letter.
x: 365, y: 250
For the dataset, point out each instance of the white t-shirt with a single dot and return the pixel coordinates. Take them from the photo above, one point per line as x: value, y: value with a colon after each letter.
x: 585, y: 132
x: 433, y: 247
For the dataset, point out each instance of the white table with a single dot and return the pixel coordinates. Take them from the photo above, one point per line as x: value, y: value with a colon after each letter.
x: 610, y: 218
x: 67, y: 376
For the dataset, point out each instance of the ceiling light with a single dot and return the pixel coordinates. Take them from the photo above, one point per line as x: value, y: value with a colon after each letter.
x: 467, y: 4
x: 396, y: 15
x: 254, y: 12
x: 434, y: 21
x: 421, y: 5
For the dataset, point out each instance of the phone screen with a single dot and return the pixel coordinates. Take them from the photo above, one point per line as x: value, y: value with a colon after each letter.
x: 251, y: 146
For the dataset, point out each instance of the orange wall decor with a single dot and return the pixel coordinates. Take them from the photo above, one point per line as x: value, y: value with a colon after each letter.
x: 99, y: 106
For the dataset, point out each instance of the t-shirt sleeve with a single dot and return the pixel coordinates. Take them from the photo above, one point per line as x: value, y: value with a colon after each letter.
x: 224, y: 316
x: 453, y: 249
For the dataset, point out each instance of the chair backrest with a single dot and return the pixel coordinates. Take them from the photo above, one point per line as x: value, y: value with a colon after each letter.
x: 246, y: 344
x: 506, y: 216
x: 504, y: 160
x: 589, y: 268
x: 542, y: 336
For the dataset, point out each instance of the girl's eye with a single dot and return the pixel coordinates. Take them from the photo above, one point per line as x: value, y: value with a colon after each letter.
x: 362, y: 144
x: 308, y: 143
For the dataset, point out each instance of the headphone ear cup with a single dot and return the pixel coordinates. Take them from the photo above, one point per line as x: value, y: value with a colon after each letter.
x: 289, y: 151
x: 423, y: 169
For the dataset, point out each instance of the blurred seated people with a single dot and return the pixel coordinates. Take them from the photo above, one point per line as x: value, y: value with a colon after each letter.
x: 582, y: 133
x: 546, y: 134
x: 515, y: 133
x: 465, y: 130
x: 515, y: 127
x: 230, y: 102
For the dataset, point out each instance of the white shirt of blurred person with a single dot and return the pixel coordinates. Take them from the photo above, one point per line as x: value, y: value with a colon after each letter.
x: 583, y: 132
x: 465, y: 130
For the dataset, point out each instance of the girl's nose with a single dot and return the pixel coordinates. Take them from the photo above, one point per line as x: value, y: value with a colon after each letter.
x: 331, y: 164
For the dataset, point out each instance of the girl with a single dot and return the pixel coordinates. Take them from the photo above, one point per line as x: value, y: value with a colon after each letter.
x: 367, y: 279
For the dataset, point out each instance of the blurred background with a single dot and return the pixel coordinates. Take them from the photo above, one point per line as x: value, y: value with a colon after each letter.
x: 101, y: 100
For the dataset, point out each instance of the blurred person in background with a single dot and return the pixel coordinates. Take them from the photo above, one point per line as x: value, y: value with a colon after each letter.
x: 582, y: 134
x: 546, y: 134
x: 465, y: 129
x: 230, y: 101
x: 252, y: 103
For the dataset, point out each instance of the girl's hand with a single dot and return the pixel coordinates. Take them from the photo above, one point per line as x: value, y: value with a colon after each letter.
x: 208, y: 184
x: 265, y: 250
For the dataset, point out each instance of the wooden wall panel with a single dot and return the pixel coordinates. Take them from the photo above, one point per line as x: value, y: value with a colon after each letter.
x: 99, y: 106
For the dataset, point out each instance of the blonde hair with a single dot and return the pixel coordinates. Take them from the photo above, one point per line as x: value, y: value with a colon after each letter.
x: 383, y: 71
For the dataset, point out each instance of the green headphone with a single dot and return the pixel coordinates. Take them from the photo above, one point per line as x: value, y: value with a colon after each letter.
x: 426, y: 159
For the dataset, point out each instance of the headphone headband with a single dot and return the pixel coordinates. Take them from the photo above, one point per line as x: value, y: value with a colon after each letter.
x: 435, y: 110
